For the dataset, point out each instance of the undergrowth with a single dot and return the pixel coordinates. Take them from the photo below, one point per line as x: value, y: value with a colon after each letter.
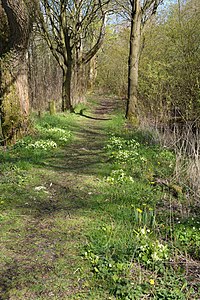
x: 142, y: 246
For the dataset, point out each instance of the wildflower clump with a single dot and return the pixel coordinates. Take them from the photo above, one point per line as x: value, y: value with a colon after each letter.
x: 121, y: 150
x: 42, y: 145
x: 150, y: 251
x: 119, y: 177
x: 54, y: 133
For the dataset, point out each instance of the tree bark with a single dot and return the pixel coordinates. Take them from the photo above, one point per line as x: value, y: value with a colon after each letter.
x: 67, y: 89
x: 134, y: 53
x: 14, y: 94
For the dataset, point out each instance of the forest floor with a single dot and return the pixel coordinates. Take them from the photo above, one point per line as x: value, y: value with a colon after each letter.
x: 50, y: 203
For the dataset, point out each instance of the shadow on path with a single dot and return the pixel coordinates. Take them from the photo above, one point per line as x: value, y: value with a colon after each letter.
x: 41, y: 244
x: 92, y: 118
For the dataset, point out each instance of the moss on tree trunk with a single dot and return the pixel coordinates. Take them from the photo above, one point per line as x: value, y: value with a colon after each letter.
x: 14, y: 94
x: 14, y: 103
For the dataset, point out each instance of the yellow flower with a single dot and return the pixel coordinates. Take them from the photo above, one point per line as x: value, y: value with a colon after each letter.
x: 151, y: 281
x: 139, y: 210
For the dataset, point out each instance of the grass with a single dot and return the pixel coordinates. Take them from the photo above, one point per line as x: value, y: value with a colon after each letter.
x: 90, y: 209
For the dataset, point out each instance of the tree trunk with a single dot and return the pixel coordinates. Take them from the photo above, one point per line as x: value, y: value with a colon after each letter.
x: 135, y: 36
x: 14, y: 103
x: 67, y: 89
x: 73, y: 88
x: 14, y: 98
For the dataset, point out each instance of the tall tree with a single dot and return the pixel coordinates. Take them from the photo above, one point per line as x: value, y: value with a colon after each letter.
x: 14, y: 100
x: 140, y: 11
x: 67, y: 27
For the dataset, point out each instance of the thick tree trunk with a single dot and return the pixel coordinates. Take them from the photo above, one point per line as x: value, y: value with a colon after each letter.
x: 67, y: 89
x: 14, y: 99
x: 73, y: 87
x: 135, y: 36
x: 14, y: 103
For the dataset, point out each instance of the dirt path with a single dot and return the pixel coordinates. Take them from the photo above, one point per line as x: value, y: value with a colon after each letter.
x: 42, y: 252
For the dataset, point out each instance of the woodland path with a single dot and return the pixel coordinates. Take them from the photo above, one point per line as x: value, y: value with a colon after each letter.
x: 43, y: 250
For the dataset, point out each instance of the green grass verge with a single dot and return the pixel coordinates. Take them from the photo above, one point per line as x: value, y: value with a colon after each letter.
x: 142, y: 242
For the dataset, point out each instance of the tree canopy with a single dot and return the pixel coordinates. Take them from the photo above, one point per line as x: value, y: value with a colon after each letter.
x: 74, y: 31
